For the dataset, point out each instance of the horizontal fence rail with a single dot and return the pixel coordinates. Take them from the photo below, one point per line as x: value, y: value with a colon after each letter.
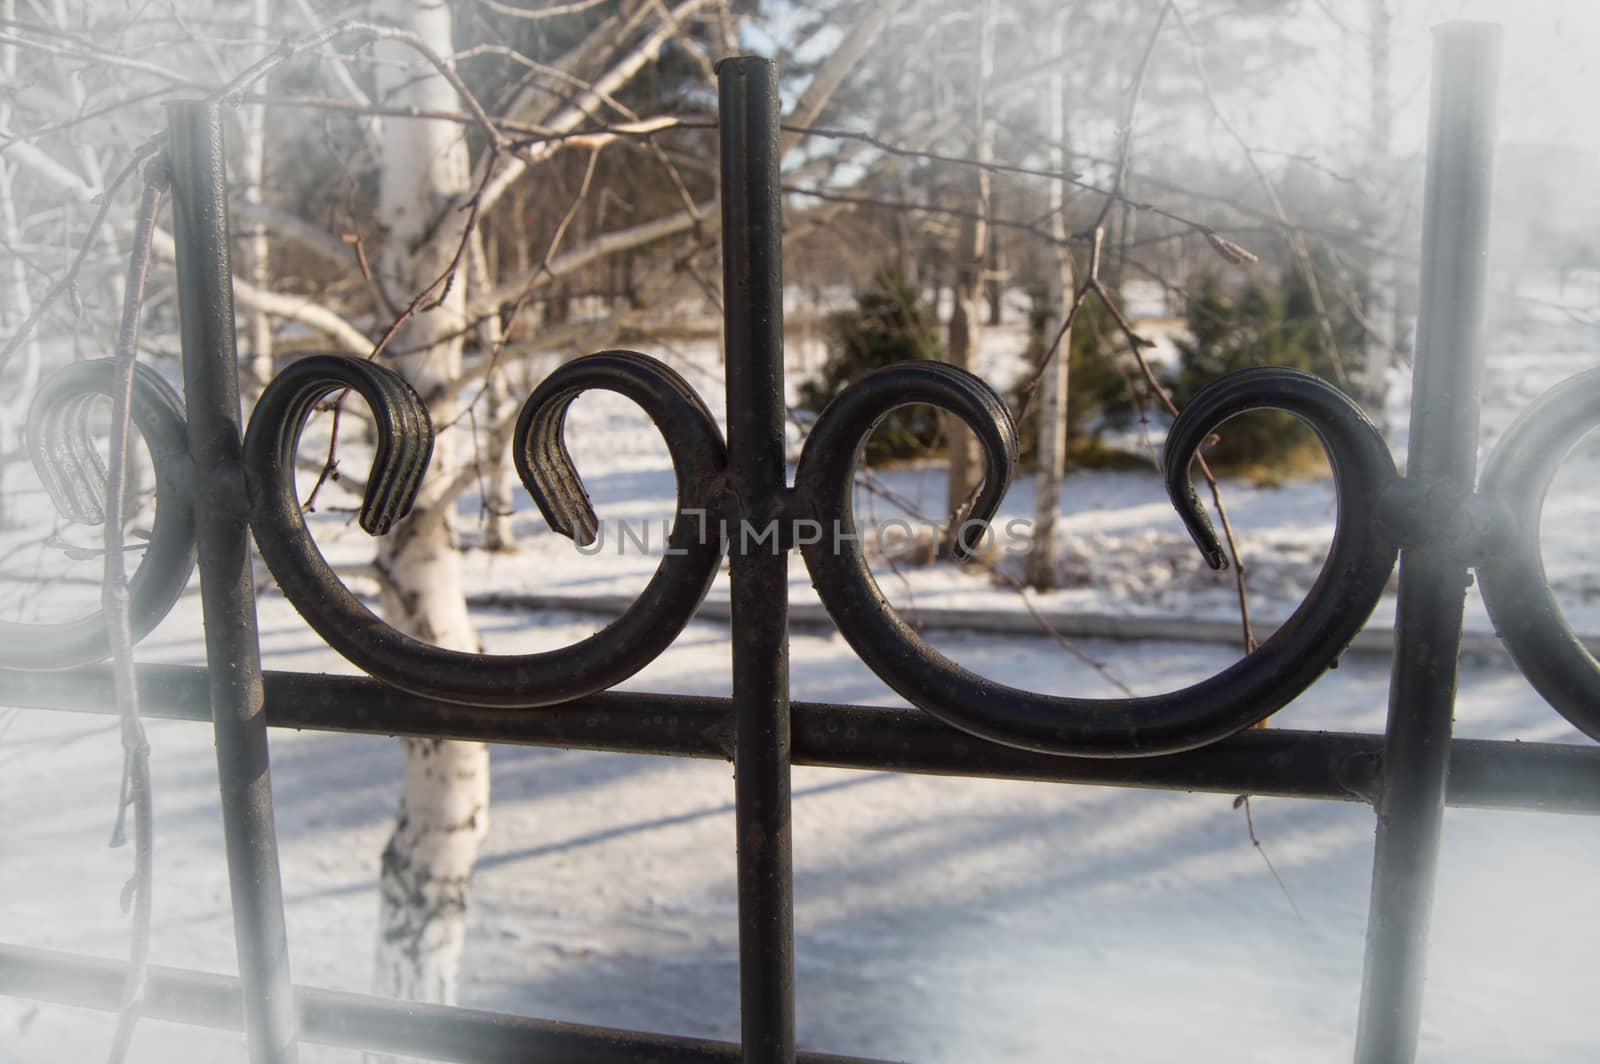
x: 1438, y: 521
x: 1272, y: 762
x: 359, y: 1021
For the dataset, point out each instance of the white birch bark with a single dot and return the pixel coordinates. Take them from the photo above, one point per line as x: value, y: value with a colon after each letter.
x: 93, y: 171
x: 1051, y: 403
x: 1383, y: 332
x: 966, y: 328
x: 500, y: 479
x: 499, y: 476
x: 257, y: 247
x: 16, y: 304
x: 424, y: 172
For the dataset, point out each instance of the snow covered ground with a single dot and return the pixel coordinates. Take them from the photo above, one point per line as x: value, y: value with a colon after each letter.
x: 937, y: 919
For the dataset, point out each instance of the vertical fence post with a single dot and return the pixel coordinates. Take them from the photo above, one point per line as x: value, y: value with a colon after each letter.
x: 752, y: 295
x: 1434, y: 574
x: 233, y: 652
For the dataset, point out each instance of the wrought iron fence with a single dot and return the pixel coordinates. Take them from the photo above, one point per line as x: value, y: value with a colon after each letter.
x: 1439, y: 520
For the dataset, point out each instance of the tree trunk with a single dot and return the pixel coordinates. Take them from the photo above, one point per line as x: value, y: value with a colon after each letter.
x: 1051, y: 403
x: 1383, y: 328
x: 964, y: 337
x: 257, y: 247
x: 444, y: 799
x: 994, y: 283
x: 905, y: 248
x: 16, y: 304
x: 499, y: 534
x: 499, y: 478
x: 967, y: 294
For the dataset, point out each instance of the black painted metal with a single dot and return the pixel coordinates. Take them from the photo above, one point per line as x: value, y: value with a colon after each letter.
x: 1349, y: 586
x: 1525, y: 612
x: 233, y: 651
x: 405, y: 440
x: 357, y: 1021
x: 735, y: 495
x: 1280, y: 762
x: 74, y: 475
x: 1434, y: 571
x: 752, y: 285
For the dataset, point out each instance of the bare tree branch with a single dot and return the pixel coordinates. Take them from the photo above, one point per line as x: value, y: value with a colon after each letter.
x: 533, y: 14
x: 570, y: 118
x: 843, y: 59
x: 329, y: 248
x: 1296, y: 240
x: 114, y: 597
x: 290, y: 308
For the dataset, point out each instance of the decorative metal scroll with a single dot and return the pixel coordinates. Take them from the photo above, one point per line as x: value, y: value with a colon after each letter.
x: 405, y: 441
x: 1351, y: 581
x: 61, y: 444
x: 1375, y: 519
x: 1516, y: 479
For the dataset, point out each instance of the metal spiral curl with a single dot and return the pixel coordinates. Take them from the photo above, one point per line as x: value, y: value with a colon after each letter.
x: 60, y: 443
x: 405, y: 442
x: 1361, y: 557
x: 1350, y: 583
x: 1511, y: 576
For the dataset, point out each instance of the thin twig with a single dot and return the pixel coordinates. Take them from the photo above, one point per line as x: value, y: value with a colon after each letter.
x: 862, y: 200
x: 1092, y: 285
x: 446, y: 278
x: 136, y: 790
x: 1125, y: 141
x: 371, y: 31
x: 1243, y: 801
x: 872, y: 484
x: 1136, y: 343
x: 70, y: 278
x: 534, y: 13
x: 330, y: 468
x: 1296, y: 240
x: 890, y: 148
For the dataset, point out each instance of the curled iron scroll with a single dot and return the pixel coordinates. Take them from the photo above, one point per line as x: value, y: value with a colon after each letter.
x: 1359, y: 562
x: 405, y: 442
x: 61, y: 446
x: 1511, y: 575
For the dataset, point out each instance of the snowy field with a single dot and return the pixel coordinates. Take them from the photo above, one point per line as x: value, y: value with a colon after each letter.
x: 937, y: 919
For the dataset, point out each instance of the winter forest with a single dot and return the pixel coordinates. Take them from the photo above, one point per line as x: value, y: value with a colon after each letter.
x: 1099, y: 207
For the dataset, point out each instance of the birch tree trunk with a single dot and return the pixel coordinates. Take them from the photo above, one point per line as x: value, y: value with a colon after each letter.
x: 424, y: 174
x: 1052, y: 399
x: 1381, y: 279
x: 995, y: 281
x: 257, y: 247
x: 499, y: 477
x: 15, y: 303
x: 966, y: 328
